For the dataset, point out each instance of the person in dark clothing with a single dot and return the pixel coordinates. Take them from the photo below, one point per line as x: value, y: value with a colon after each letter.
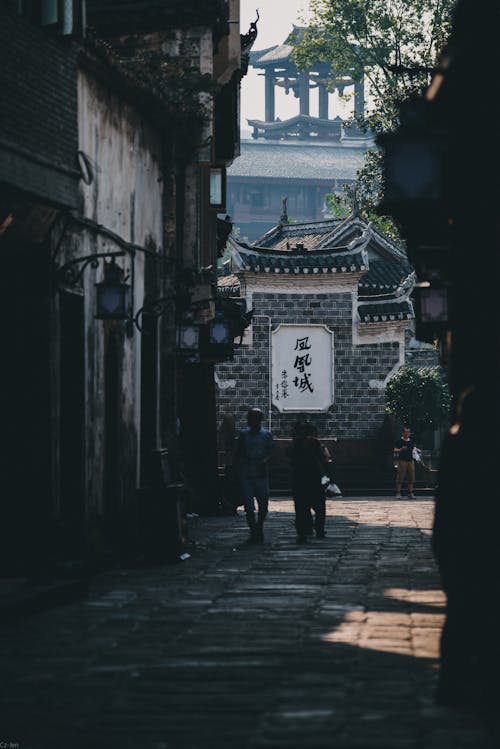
x: 403, y: 451
x: 308, y: 466
x: 253, y: 452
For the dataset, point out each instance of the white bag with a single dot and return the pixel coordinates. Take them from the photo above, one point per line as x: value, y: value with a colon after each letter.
x: 332, y: 490
x: 416, y: 455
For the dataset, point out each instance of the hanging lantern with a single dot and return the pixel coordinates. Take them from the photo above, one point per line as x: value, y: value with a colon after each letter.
x: 112, y: 294
x: 188, y: 337
x: 219, y: 331
x: 414, y: 175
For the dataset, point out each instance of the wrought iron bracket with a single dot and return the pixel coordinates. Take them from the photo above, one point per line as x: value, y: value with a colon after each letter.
x: 155, y: 309
x: 71, y: 273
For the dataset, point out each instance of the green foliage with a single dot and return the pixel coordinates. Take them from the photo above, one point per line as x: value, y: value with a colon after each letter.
x: 371, y: 37
x: 419, y: 398
x: 338, y: 204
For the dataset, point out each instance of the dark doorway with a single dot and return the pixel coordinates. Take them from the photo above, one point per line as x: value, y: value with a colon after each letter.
x: 199, y: 435
x: 149, y: 376
x: 26, y: 505
x: 72, y: 420
x: 112, y: 417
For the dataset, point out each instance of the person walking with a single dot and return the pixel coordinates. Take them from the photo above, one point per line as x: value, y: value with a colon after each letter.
x: 231, y: 496
x: 252, y: 455
x: 404, y: 451
x: 309, y: 465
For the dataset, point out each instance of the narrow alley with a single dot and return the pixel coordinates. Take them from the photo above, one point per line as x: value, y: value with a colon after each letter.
x: 329, y: 644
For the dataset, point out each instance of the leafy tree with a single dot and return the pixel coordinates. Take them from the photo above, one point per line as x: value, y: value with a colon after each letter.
x: 338, y: 204
x: 394, y: 43
x: 418, y: 397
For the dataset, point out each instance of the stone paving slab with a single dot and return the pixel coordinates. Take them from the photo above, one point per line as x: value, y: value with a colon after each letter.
x: 330, y: 645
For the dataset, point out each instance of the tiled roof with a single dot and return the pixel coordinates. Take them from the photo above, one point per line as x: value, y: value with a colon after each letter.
x: 384, y: 277
x: 336, y: 246
x: 228, y: 285
x: 383, y: 311
x: 287, y: 236
x: 303, y: 263
x: 305, y: 161
x: 388, y: 268
x: 279, y: 53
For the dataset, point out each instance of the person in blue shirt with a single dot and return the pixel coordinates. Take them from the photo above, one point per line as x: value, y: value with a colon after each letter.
x: 252, y: 456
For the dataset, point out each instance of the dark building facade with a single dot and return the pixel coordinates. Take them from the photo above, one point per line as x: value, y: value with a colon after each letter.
x: 38, y: 181
x: 445, y: 225
x: 114, y: 139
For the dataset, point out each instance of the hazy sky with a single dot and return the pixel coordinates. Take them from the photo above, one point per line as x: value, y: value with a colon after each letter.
x: 276, y: 21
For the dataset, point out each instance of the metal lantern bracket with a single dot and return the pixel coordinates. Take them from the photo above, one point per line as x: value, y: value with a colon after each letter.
x: 71, y: 273
x: 155, y: 309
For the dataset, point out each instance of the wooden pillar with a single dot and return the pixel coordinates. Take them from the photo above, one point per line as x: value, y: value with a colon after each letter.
x: 323, y: 101
x: 269, y: 95
x: 359, y: 98
x: 304, y: 93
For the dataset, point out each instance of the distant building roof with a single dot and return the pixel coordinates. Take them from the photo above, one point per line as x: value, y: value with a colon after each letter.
x: 316, y: 162
x: 260, y: 58
x: 279, y: 53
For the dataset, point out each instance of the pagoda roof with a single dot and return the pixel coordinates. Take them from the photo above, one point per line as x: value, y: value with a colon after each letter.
x: 384, y: 279
x: 343, y: 246
x: 311, y: 162
x: 383, y: 311
x: 311, y: 234
x: 271, y: 55
x: 303, y: 262
x: 279, y: 52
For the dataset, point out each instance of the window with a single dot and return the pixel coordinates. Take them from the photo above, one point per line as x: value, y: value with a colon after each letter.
x: 218, y: 188
x: 64, y: 17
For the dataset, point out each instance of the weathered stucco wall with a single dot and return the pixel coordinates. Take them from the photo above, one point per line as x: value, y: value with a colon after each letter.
x: 125, y: 196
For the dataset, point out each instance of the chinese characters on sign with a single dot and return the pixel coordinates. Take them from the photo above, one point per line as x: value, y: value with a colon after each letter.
x: 301, y: 364
x: 302, y: 368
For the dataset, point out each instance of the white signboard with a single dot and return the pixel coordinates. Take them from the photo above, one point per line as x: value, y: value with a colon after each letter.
x: 302, y: 368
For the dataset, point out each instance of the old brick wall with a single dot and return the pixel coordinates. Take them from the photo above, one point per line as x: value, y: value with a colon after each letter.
x: 38, y: 109
x: 358, y: 409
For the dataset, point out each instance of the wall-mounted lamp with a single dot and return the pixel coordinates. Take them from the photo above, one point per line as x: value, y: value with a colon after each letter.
x: 415, y: 175
x: 217, y: 188
x: 431, y: 311
x: 112, y: 294
x: 188, y: 337
x: 433, y: 305
x: 219, y: 331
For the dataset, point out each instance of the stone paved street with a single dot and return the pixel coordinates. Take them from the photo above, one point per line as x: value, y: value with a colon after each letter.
x: 332, y: 644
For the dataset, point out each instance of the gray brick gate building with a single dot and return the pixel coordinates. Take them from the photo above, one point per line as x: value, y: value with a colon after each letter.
x: 332, y: 323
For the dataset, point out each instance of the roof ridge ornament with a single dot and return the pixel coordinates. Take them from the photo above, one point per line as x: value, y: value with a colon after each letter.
x: 248, y: 39
x: 355, y: 202
x: 284, y: 213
